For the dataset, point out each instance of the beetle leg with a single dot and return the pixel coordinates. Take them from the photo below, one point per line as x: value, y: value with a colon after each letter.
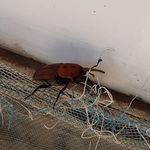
x: 60, y: 92
x: 39, y: 87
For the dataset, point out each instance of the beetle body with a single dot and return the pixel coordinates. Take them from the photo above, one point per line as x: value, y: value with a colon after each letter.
x: 47, y: 72
x: 68, y: 71
x: 62, y: 72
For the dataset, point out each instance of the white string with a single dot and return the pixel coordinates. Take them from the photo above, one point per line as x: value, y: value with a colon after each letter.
x: 107, y: 131
x: 142, y: 136
x: 134, y: 98
x: 110, y: 101
x: 96, y: 146
x: 85, y: 85
x: 96, y: 101
x: 49, y: 128
x: 1, y: 112
x: 29, y: 112
x: 148, y: 132
x: 98, y: 133
x: 89, y: 146
x: 121, y: 130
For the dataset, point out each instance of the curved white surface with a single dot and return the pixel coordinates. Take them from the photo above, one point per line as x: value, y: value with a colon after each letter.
x: 79, y: 31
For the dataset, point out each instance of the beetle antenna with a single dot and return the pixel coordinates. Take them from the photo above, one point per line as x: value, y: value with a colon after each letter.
x: 92, y: 68
x: 98, y: 70
x: 99, y: 60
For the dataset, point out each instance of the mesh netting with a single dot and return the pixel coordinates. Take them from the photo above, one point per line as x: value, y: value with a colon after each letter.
x: 80, y: 124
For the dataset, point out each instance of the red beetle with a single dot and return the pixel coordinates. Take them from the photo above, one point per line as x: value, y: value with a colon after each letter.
x: 61, y: 72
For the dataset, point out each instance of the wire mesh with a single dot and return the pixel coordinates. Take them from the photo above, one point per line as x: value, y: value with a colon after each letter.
x: 14, y: 109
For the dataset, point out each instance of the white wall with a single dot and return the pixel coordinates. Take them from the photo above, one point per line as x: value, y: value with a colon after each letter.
x: 79, y: 31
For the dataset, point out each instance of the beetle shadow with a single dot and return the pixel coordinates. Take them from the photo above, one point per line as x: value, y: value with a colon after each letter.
x: 74, y: 51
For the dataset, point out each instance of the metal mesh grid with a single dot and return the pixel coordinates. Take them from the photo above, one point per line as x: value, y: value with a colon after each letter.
x: 15, y: 86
